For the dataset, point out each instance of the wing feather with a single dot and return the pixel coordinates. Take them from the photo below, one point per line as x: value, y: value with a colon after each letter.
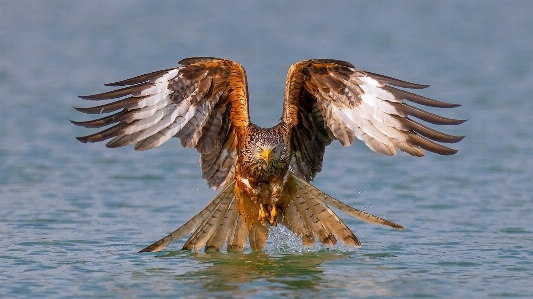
x: 353, y: 103
x: 201, y: 102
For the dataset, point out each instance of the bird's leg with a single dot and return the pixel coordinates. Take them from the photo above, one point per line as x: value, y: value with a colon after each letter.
x: 263, y: 213
x: 266, y: 197
x: 261, y: 198
x: 275, y: 194
x: 252, y: 190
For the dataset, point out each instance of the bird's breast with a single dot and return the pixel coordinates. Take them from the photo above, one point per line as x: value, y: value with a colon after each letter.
x: 263, y: 172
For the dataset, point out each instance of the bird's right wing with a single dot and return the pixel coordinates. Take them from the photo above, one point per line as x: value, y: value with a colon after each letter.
x: 204, y: 102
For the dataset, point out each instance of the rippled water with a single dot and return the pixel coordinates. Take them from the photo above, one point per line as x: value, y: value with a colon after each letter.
x: 73, y: 216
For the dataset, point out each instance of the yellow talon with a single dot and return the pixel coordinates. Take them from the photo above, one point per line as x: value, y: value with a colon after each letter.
x: 273, y: 214
x: 263, y: 214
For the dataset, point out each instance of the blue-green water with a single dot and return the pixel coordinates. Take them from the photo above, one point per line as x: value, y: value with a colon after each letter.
x: 73, y: 216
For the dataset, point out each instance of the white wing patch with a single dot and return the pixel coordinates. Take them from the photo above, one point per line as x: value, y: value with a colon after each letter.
x: 159, y: 118
x: 379, y: 118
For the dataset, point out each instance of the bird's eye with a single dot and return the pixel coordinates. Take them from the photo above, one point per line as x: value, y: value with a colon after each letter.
x: 259, y: 150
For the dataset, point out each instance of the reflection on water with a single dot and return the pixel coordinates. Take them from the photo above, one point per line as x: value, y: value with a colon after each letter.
x: 315, y: 273
x: 285, y: 261
x: 237, y: 271
x: 286, y: 268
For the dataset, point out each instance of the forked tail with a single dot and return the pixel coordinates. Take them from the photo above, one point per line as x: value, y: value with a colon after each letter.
x: 306, y: 214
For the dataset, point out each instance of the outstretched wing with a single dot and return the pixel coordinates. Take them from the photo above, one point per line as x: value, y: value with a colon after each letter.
x: 330, y: 99
x: 204, y: 102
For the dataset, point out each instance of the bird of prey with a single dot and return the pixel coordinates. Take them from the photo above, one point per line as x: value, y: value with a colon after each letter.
x: 265, y: 173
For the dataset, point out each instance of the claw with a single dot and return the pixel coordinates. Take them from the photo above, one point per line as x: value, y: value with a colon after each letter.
x: 273, y: 214
x: 263, y: 214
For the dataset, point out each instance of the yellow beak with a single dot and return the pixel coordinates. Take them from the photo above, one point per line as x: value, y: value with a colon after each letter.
x: 265, y: 155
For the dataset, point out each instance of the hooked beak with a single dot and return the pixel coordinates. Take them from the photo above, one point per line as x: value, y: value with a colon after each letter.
x: 266, y: 155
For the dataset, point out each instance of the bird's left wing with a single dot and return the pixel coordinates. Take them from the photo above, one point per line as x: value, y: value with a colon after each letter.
x: 328, y: 100
x: 204, y: 102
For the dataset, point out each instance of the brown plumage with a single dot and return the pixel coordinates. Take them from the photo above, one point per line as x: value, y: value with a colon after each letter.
x: 265, y: 173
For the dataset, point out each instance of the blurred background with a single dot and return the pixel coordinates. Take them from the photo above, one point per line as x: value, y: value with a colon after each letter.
x: 73, y: 215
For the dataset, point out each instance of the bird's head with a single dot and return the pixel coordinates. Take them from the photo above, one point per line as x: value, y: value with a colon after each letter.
x: 268, y: 152
x: 266, y: 148
x: 265, y: 153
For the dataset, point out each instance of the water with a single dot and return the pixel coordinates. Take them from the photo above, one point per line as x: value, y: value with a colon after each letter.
x: 73, y: 216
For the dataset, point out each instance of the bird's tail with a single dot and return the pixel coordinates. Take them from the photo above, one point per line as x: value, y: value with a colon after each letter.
x: 305, y: 212
x: 309, y: 216
x: 218, y: 222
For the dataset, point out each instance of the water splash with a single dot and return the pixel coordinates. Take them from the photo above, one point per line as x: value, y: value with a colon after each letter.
x: 282, y: 240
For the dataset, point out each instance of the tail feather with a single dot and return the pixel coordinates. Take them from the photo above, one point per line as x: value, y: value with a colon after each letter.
x: 225, y: 227
x: 321, y: 231
x: 190, y: 225
x: 257, y: 232
x: 346, y: 208
x: 328, y: 217
x: 257, y: 236
x: 305, y: 211
x: 237, y: 238
x: 294, y: 221
x: 210, y: 225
